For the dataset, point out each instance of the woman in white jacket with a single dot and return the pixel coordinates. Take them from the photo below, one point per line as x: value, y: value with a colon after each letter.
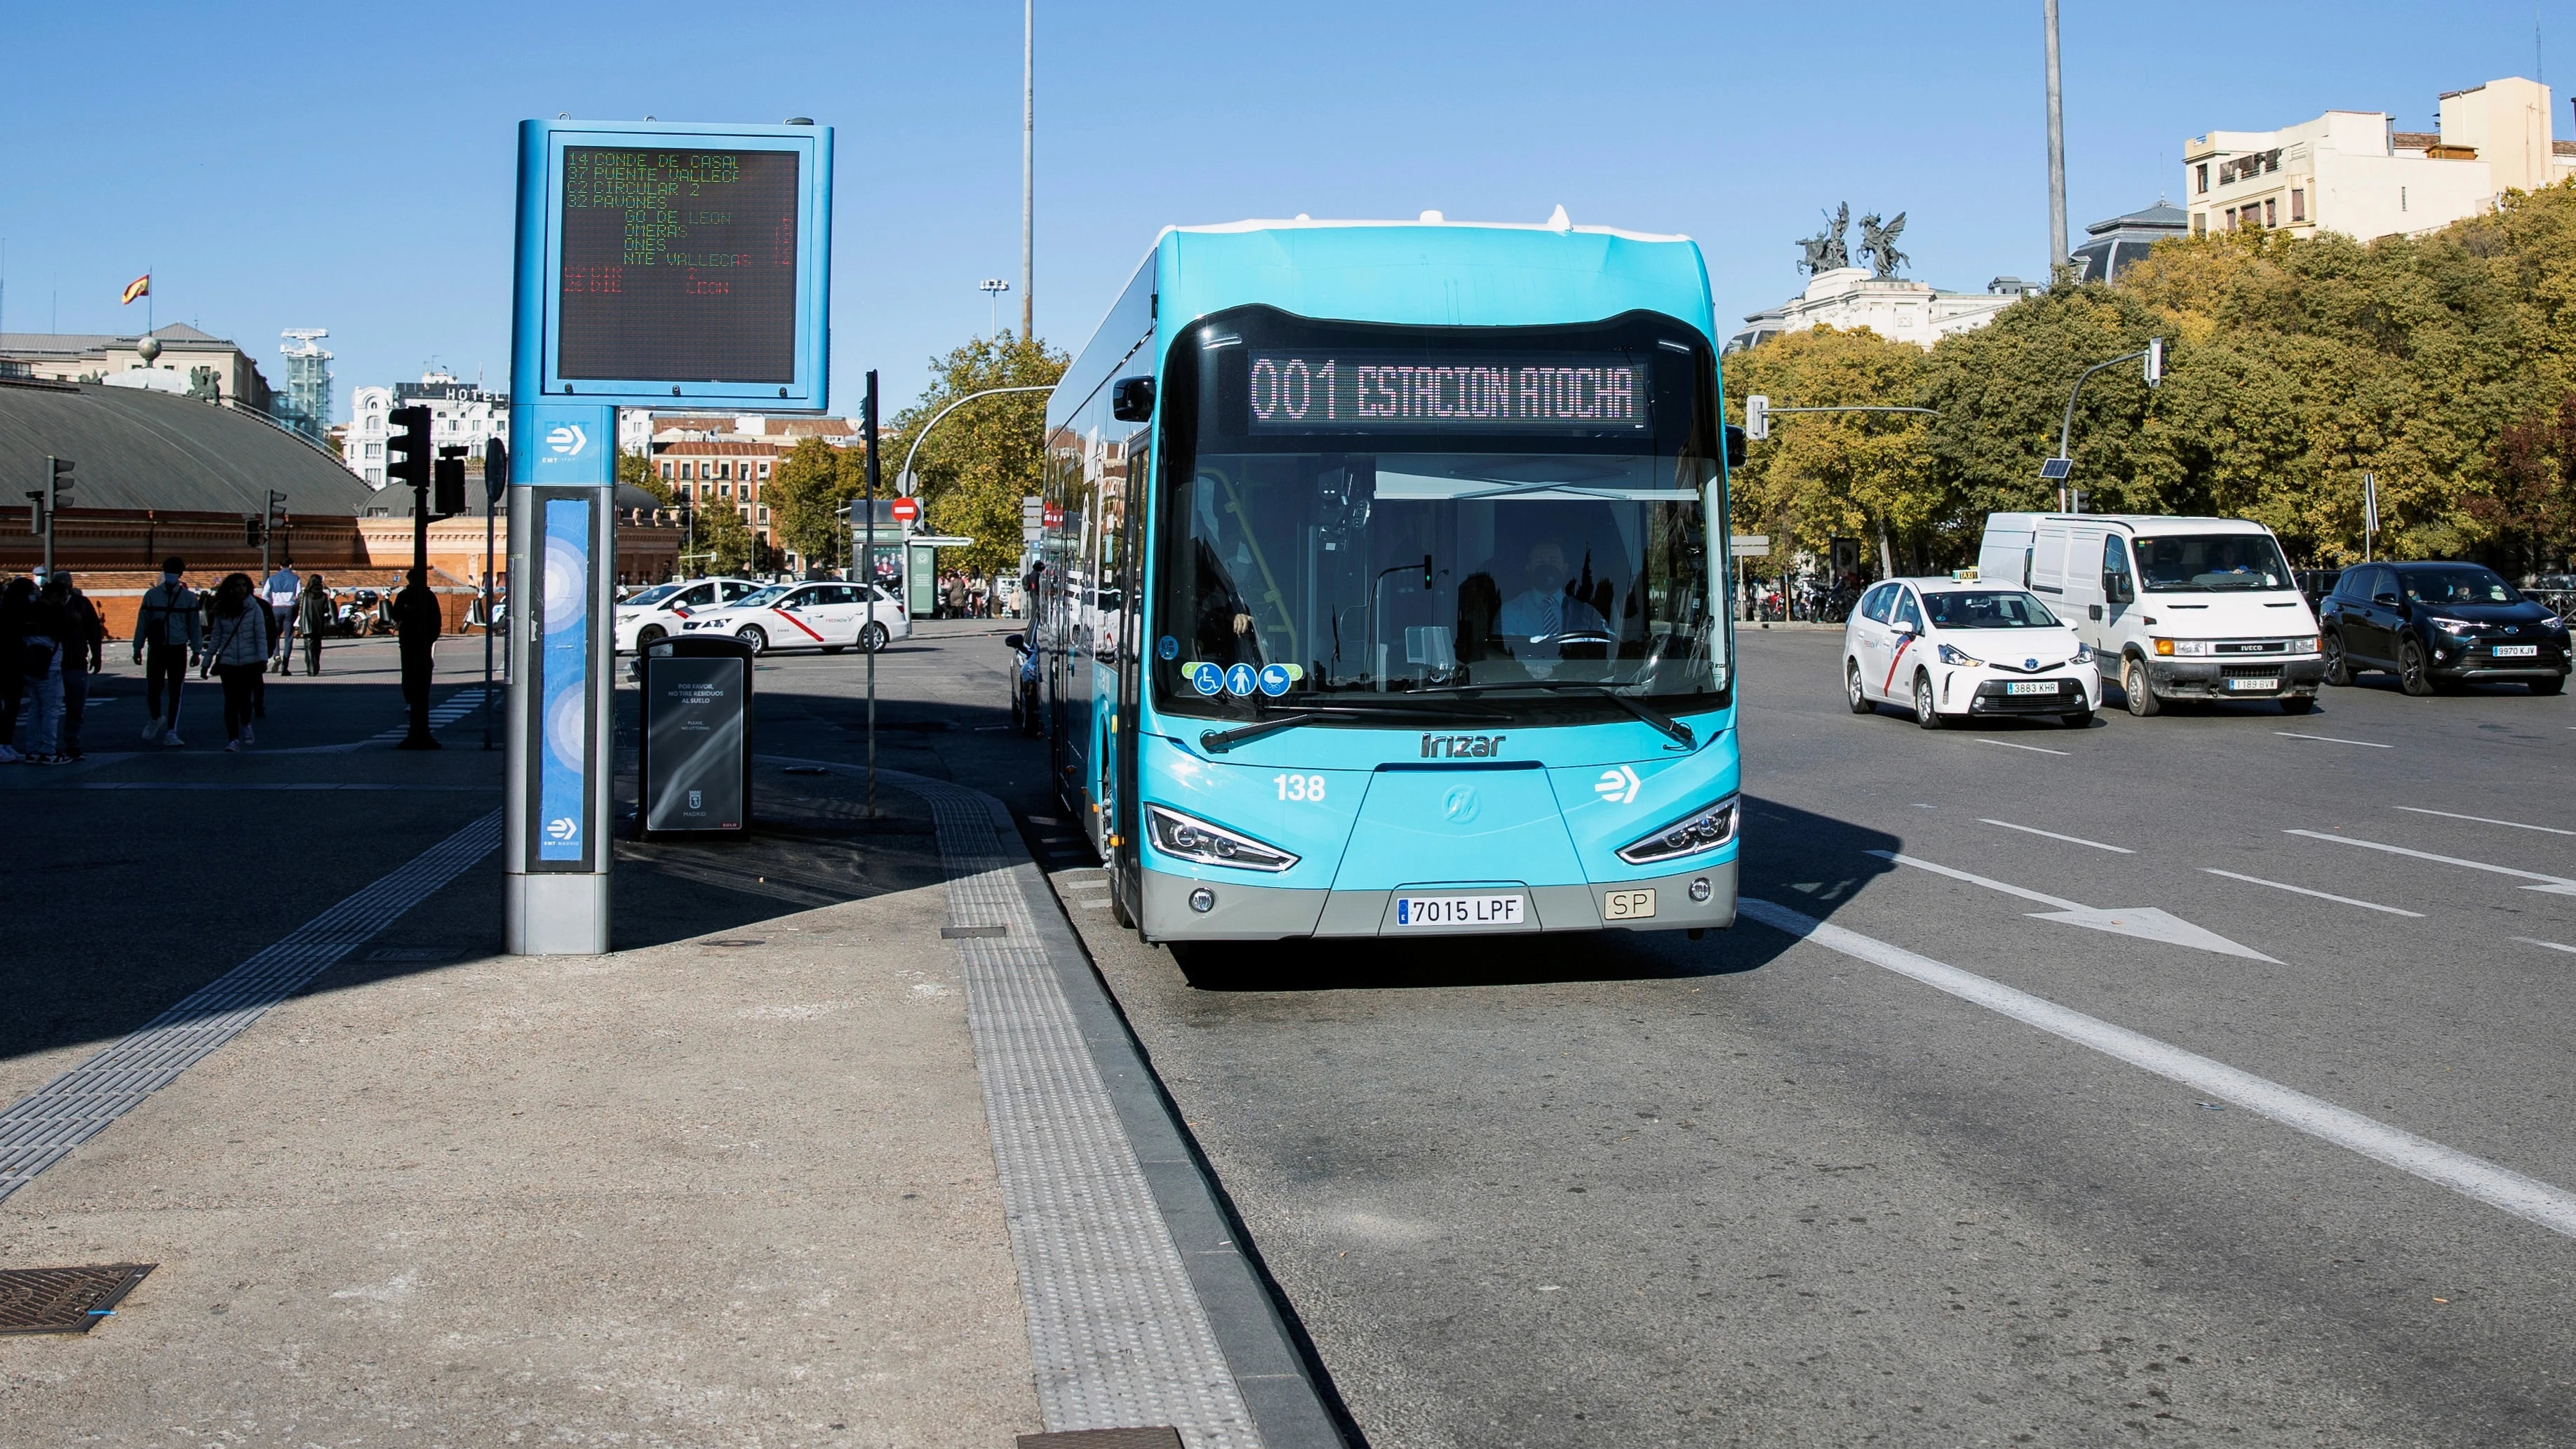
x: 237, y: 642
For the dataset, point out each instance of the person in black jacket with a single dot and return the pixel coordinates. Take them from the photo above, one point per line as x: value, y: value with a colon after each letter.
x: 416, y: 625
x: 16, y: 599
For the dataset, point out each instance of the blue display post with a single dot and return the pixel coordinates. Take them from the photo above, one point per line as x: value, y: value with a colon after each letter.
x: 658, y: 265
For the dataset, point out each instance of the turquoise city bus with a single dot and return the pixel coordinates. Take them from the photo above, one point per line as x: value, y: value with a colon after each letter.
x: 1380, y: 589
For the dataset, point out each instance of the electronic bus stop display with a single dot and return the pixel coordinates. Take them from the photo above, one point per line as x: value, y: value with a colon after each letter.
x: 679, y: 265
x: 679, y: 262
x: 1391, y: 391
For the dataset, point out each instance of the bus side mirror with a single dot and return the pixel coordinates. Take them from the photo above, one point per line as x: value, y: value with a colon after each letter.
x: 1734, y: 447
x: 1132, y: 400
x: 1015, y: 641
x: 2116, y: 587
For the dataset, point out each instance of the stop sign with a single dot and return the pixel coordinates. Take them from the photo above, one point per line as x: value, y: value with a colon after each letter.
x: 906, y: 509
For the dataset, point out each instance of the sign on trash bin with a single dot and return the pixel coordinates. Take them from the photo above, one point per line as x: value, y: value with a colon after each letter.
x: 694, y: 766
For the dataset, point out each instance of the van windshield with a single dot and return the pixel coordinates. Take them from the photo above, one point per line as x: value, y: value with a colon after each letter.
x: 2189, y: 563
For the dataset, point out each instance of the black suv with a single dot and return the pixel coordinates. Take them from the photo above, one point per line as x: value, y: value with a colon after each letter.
x: 2438, y: 623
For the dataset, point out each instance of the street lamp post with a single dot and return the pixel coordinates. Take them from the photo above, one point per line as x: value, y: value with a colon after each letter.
x: 1028, y: 167
x: 2061, y: 468
x: 993, y: 288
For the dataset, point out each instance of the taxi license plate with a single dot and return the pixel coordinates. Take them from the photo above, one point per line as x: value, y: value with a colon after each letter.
x: 2517, y: 651
x: 2040, y: 686
x: 1413, y: 913
x: 2262, y: 684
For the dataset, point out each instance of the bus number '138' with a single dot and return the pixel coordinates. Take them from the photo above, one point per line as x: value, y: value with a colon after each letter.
x: 1299, y: 787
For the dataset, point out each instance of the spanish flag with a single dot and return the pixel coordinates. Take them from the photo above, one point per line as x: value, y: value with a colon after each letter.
x: 139, y: 287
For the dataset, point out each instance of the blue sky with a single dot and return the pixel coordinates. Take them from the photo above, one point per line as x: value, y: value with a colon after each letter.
x: 251, y: 154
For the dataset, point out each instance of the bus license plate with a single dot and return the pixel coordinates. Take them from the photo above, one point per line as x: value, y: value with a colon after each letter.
x: 2517, y: 651
x: 1455, y: 912
x: 2266, y: 685
x: 2042, y: 686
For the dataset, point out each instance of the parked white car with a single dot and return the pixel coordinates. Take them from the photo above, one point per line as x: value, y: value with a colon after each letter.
x: 659, y: 611
x: 1960, y: 648
x: 829, y: 616
x: 2178, y: 608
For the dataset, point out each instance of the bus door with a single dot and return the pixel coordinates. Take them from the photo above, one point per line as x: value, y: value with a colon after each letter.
x: 1122, y: 817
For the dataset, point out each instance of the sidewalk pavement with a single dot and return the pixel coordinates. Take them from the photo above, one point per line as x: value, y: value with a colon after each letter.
x: 728, y: 1189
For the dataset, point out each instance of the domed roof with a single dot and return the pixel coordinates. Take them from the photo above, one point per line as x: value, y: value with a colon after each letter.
x: 137, y: 448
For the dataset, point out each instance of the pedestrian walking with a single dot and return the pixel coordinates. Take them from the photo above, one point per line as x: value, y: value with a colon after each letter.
x: 280, y: 590
x: 167, y: 639
x: 17, y: 597
x: 313, y: 620
x: 956, y: 596
x: 416, y: 625
x: 238, y: 650
x: 41, y: 633
x: 84, y: 654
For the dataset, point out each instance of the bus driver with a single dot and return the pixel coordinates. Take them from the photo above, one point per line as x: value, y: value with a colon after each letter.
x: 1545, y: 611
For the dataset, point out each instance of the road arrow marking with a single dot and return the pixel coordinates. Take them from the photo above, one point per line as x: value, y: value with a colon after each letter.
x: 2144, y: 922
x: 2556, y: 885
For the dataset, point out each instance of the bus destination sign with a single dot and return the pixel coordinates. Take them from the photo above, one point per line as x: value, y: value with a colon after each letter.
x: 679, y: 265
x: 1389, y: 391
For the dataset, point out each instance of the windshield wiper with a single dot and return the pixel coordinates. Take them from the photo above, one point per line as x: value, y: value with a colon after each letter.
x: 1217, y: 742
x: 1664, y: 723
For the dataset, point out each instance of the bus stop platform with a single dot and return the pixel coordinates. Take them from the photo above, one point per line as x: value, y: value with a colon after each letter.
x: 877, y: 1166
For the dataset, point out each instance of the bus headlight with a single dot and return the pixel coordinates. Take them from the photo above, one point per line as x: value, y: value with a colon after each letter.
x: 1189, y: 838
x: 1704, y: 829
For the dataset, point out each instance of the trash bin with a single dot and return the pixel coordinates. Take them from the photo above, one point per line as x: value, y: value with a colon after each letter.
x: 693, y: 766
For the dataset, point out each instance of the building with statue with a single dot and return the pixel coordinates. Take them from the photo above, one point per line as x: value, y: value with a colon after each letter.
x: 1893, y: 307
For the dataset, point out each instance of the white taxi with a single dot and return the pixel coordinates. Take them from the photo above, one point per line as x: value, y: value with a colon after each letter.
x: 830, y: 616
x: 659, y: 611
x: 1956, y: 649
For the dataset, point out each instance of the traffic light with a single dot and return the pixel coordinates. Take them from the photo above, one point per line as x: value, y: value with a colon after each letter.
x: 253, y: 530
x: 407, y: 456
x: 496, y: 470
x: 1757, y: 417
x: 447, y: 494
x: 62, y: 482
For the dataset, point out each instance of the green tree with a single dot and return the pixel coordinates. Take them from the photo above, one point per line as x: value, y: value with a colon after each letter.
x: 725, y: 544
x: 984, y: 458
x: 803, y: 495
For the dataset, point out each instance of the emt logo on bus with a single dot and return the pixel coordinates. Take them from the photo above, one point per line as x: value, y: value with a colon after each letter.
x: 1461, y: 747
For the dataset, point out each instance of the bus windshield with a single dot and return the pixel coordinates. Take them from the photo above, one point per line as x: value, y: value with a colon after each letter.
x: 1413, y: 516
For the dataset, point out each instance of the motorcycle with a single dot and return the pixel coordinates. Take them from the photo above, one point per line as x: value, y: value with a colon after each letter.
x: 1024, y: 685
x: 360, y: 612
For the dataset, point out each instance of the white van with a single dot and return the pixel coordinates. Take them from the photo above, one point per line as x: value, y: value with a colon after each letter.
x: 2177, y: 608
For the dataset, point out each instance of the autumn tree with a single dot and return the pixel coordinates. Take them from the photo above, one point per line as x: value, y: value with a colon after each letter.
x: 1827, y: 475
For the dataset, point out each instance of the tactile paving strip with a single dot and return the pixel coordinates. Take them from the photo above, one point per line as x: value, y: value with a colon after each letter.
x: 42, y: 1128
x: 1117, y: 1334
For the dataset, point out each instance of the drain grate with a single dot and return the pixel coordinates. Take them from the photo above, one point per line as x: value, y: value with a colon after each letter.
x: 971, y: 933
x: 64, y: 1300
x: 737, y: 942
x: 1159, y: 1437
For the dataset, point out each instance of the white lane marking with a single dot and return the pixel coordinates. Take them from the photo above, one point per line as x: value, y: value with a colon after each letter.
x: 2304, y: 891
x: 2144, y: 922
x: 2551, y: 884
x: 1992, y: 885
x: 2483, y: 820
x: 2007, y: 744
x: 2552, y: 945
x: 2053, y: 835
x: 2331, y: 740
x: 2528, y: 1198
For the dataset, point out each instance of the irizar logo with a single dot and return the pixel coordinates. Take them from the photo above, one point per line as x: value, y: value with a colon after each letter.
x: 1617, y: 787
x: 566, y: 440
x: 1461, y: 747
